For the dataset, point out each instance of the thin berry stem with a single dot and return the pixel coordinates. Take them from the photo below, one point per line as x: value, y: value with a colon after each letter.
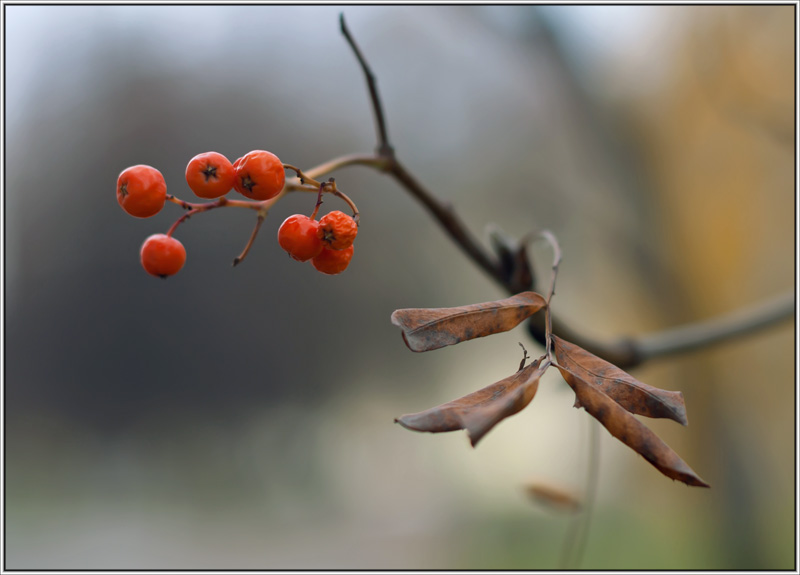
x: 319, y: 202
x: 304, y: 178
x: 194, y: 208
x: 307, y: 183
x: 180, y: 202
x: 369, y: 160
x: 307, y: 179
x: 259, y: 220
x: 349, y: 202
x: 292, y: 187
x: 178, y: 222
x: 218, y: 203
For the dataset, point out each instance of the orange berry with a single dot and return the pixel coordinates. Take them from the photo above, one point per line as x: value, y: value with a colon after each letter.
x: 162, y: 255
x: 259, y: 175
x: 141, y: 191
x: 210, y: 175
x: 298, y: 236
x: 337, y: 230
x: 333, y: 262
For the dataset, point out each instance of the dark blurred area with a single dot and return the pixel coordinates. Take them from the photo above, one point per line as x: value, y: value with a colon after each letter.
x: 243, y: 418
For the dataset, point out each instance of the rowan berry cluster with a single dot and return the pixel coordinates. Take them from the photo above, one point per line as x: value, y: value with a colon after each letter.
x: 328, y: 243
x: 260, y: 177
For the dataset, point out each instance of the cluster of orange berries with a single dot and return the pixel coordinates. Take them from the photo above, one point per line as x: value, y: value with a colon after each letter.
x: 258, y: 175
x: 328, y: 243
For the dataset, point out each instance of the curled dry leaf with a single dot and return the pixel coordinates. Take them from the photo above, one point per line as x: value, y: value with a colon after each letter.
x: 428, y: 329
x: 553, y: 496
x: 630, y: 393
x: 630, y: 430
x: 480, y: 411
x: 512, y: 256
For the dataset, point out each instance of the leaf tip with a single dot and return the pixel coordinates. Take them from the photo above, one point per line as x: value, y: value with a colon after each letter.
x: 474, y: 439
x: 399, y: 318
x: 396, y: 317
x: 403, y: 421
x: 410, y: 344
x: 681, y: 412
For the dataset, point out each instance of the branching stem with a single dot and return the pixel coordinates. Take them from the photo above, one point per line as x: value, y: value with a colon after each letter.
x: 625, y: 352
x: 368, y: 160
x: 218, y: 203
x: 447, y: 217
x: 302, y: 176
x: 200, y: 208
x: 306, y: 182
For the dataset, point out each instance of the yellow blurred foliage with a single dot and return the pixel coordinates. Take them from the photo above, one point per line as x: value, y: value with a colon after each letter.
x: 719, y: 144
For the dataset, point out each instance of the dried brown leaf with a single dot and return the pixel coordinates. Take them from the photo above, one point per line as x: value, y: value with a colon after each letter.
x: 630, y: 430
x: 428, y: 329
x: 553, y: 496
x: 481, y: 410
x: 630, y: 393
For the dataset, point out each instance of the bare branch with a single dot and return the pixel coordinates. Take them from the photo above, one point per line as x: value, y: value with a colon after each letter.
x: 384, y: 148
x: 624, y: 352
x: 445, y: 214
x: 701, y: 334
x: 449, y: 220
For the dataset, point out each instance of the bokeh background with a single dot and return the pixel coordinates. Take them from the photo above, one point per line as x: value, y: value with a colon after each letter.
x: 243, y: 418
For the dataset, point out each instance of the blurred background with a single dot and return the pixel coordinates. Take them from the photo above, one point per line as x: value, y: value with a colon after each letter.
x: 243, y: 418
